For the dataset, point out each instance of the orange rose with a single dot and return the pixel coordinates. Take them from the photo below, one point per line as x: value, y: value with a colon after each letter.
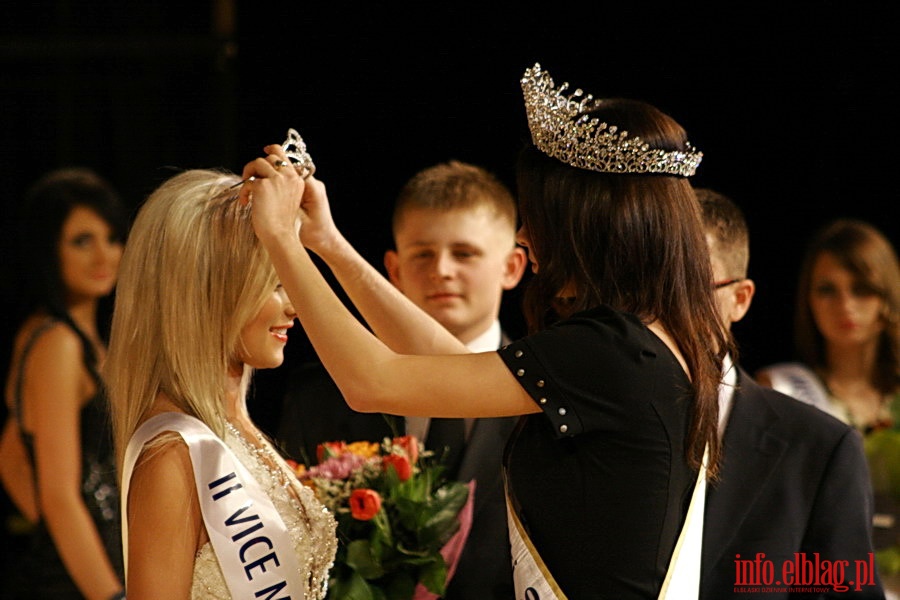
x: 364, y: 504
x: 410, y: 445
x: 400, y: 463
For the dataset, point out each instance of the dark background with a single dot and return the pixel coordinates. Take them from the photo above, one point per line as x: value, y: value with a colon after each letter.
x: 794, y: 108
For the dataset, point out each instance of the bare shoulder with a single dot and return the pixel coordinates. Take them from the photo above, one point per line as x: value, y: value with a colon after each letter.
x: 161, y: 488
x: 164, y: 522
x: 163, y: 466
x: 54, y: 341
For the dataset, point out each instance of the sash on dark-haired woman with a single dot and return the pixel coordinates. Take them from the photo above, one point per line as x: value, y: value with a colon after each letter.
x: 533, y: 580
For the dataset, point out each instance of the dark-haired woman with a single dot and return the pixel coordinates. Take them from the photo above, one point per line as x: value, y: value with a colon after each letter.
x: 846, y: 328
x: 56, y: 454
x: 617, y: 383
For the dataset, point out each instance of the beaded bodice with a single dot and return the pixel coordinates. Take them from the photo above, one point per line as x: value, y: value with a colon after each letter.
x: 311, y: 526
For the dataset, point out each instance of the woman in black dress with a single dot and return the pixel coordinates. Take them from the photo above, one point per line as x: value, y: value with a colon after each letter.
x: 618, y: 379
x: 56, y: 454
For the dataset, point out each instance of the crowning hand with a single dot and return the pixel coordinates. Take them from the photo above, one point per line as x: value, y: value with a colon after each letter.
x: 275, y: 193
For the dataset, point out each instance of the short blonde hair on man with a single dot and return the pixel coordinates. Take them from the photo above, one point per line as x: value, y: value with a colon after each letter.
x: 192, y: 275
x: 455, y: 185
x: 725, y: 222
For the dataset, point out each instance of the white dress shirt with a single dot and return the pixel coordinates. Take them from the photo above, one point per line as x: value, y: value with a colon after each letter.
x: 726, y: 392
x: 486, y: 342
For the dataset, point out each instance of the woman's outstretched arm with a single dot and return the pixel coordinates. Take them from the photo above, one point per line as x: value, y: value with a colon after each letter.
x: 397, y: 321
x: 371, y: 375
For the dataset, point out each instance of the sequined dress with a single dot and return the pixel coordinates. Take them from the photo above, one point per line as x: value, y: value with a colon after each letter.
x: 34, y: 568
x: 311, y: 526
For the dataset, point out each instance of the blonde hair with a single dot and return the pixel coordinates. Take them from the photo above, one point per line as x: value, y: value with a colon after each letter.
x: 192, y: 275
x: 455, y: 185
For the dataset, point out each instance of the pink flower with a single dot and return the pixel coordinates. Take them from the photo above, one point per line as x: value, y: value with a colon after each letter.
x: 400, y: 463
x: 364, y: 504
x: 337, y: 467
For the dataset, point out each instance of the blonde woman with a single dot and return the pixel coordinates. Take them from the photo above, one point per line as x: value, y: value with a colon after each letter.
x: 210, y: 509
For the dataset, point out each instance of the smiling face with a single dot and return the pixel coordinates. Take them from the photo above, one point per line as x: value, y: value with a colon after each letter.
x: 847, y: 312
x: 89, y: 255
x: 455, y: 264
x: 263, y: 338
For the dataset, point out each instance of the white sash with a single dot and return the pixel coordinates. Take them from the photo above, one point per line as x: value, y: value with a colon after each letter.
x: 531, y: 577
x: 533, y: 580
x: 800, y: 382
x: 683, y: 575
x: 247, y: 534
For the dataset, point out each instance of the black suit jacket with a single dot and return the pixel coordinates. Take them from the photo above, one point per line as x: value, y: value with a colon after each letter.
x: 314, y: 412
x: 793, y: 480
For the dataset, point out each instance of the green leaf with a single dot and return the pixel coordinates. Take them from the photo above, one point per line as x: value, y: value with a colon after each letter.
x: 379, y: 594
x: 352, y: 588
x: 445, y: 522
x: 888, y: 560
x: 401, y: 586
x: 381, y: 537
x: 883, y: 451
x: 434, y: 576
x: 412, y: 515
x: 412, y: 556
x: 362, y: 560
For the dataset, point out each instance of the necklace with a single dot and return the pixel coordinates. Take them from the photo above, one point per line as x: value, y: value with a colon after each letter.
x: 865, y: 407
x: 270, y: 462
x: 310, y: 524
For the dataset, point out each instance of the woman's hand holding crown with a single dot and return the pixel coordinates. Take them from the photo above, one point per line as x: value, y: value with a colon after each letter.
x: 318, y: 232
x: 274, y: 189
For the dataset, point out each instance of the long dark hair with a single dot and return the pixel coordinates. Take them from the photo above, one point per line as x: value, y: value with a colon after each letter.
x: 864, y: 251
x: 634, y: 243
x: 44, y: 209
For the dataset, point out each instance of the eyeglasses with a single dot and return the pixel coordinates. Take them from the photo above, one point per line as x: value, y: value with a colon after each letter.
x: 721, y: 284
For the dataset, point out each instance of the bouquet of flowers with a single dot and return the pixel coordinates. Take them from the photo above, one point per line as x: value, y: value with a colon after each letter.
x: 401, y: 523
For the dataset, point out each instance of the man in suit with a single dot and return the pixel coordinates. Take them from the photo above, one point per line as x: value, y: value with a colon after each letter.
x: 794, y: 484
x: 455, y: 254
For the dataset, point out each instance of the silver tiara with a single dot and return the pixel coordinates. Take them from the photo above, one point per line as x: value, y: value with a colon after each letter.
x: 295, y: 150
x: 561, y: 128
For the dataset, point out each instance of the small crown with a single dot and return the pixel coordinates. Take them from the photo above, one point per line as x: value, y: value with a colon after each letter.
x: 295, y: 150
x: 561, y: 128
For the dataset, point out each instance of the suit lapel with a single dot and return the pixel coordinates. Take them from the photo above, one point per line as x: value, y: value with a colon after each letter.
x: 481, y: 460
x: 753, y: 447
x: 482, y: 441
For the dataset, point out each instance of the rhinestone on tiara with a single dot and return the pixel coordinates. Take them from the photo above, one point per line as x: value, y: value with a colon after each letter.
x: 560, y: 127
x: 295, y: 150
